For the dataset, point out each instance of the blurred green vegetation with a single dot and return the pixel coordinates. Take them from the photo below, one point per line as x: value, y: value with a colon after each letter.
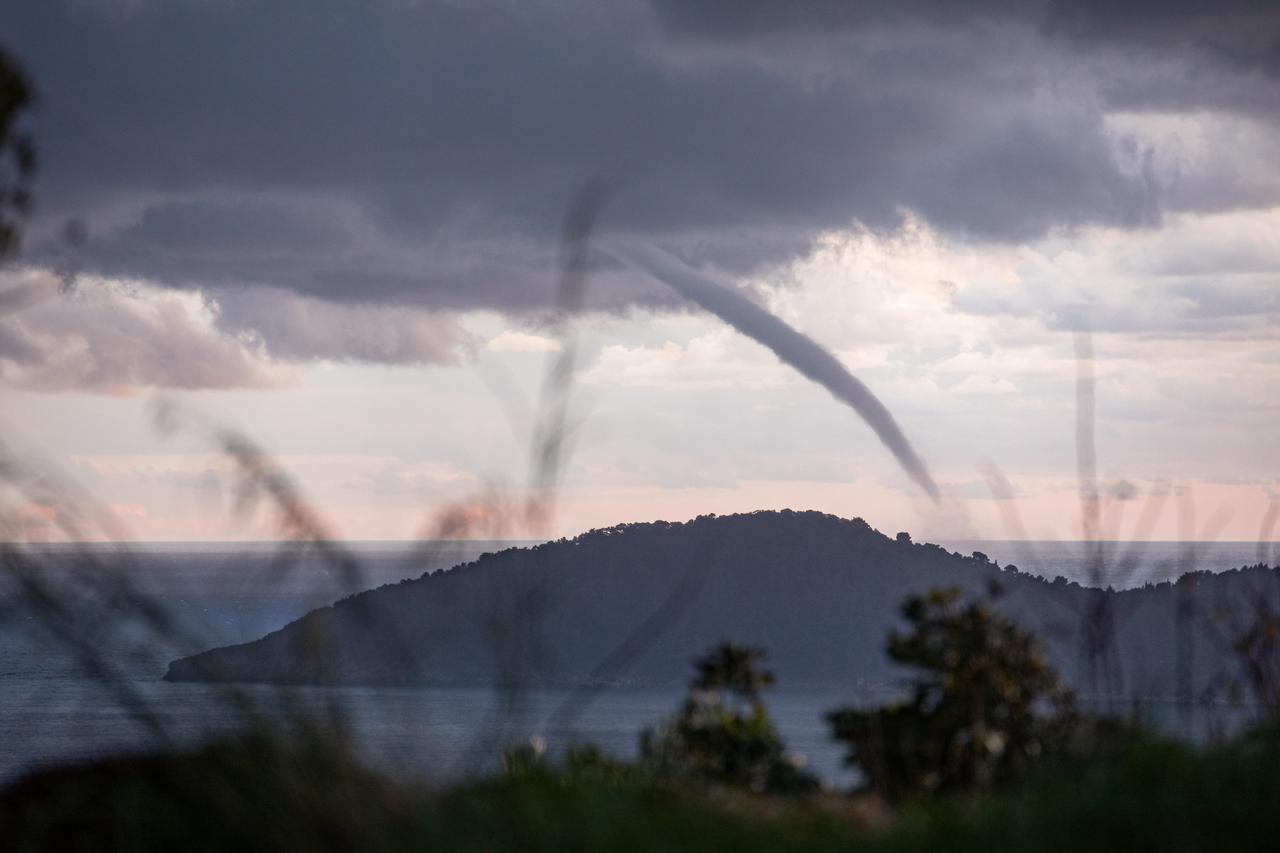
x: 267, y: 795
x: 1152, y: 794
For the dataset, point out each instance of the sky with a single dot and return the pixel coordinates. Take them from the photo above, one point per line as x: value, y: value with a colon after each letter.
x: 336, y: 229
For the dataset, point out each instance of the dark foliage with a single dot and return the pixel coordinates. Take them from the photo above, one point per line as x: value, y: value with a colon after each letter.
x: 254, y: 793
x: 261, y: 796
x: 723, y: 733
x: 1147, y: 795
x: 17, y: 153
x: 985, y: 703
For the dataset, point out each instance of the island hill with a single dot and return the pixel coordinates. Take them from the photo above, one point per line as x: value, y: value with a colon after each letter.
x: 633, y: 603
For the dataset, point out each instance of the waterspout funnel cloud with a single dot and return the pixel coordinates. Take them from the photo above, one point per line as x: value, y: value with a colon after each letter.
x: 792, y: 347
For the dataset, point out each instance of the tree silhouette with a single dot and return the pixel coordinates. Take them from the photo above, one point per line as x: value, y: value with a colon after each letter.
x: 984, y: 705
x: 737, y: 670
x: 723, y: 734
x: 17, y: 153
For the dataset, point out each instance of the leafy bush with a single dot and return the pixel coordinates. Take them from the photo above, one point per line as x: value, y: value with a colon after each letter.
x: 723, y: 734
x: 985, y: 704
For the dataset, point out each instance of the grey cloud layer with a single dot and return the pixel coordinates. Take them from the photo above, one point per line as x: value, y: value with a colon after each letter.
x: 104, y: 338
x: 1145, y: 54
x: 108, y: 340
x: 1240, y: 33
x: 295, y: 328
x: 424, y: 152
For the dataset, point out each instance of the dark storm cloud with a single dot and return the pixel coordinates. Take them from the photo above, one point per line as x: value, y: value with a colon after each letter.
x: 770, y: 18
x: 1241, y: 33
x: 424, y: 152
x: 1169, y: 54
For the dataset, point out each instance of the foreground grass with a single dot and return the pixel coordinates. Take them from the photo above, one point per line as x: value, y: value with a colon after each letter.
x: 1156, y: 796
x: 262, y: 794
